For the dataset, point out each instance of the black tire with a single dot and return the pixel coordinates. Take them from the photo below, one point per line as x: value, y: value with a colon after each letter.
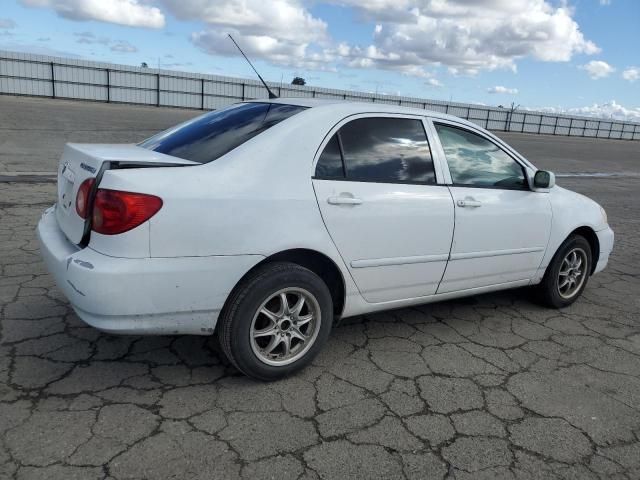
x: 548, y: 290
x: 235, y: 322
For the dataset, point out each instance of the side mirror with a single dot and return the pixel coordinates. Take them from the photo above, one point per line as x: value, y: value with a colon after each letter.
x: 544, y: 179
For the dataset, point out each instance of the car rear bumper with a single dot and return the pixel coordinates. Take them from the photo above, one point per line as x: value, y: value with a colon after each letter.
x: 605, y: 239
x: 160, y: 296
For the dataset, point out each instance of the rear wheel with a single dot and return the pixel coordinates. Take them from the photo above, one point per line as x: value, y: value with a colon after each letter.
x: 567, y: 274
x: 276, y: 321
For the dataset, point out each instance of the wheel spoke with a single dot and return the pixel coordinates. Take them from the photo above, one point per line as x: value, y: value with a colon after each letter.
x: 275, y: 341
x: 297, y: 308
x: 304, y: 320
x: 286, y: 341
x: 564, y: 273
x: 285, y: 304
x: 564, y: 283
x: 269, y: 314
x: 296, y: 333
x: 265, y: 332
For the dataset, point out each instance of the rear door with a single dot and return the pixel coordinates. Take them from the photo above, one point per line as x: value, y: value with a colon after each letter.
x: 376, y: 185
x: 501, y: 226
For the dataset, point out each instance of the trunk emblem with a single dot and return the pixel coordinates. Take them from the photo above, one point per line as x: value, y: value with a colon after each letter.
x: 88, y: 168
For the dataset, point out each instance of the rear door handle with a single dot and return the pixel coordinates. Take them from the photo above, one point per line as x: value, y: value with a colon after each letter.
x: 469, y: 202
x: 344, y: 200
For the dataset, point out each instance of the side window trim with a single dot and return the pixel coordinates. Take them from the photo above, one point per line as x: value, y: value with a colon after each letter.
x: 445, y: 165
x: 341, y: 148
x: 335, y: 130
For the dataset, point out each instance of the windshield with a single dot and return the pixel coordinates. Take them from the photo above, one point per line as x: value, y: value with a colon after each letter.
x: 209, y: 136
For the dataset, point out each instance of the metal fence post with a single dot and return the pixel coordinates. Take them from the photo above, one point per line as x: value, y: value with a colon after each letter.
x: 598, y: 129
x: 540, y: 124
x: 243, y: 91
x: 524, y: 120
x: 157, y: 89
x: 202, y: 94
x: 53, y: 81
x: 108, y: 87
x: 570, y: 127
x: 555, y: 126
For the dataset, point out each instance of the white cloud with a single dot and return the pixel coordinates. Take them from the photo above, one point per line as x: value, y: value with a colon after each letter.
x: 90, y: 38
x: 120, y: 46
x: 123, y: 47
x: 410, y: 36
x: 286, y: 20
x: 631, y: 74
x: 468, y: 36
x: 605, y: 2
x: 7, y: 23
x: 434, y: 82
x: 610, y: 110
x: 598, y: 69
x: 503, y: 90
x: 133, y: 13
x: 279, y: 31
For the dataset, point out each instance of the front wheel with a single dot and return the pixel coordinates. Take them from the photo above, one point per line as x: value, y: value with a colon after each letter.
x: 567, y: 274
x: 276, y: 321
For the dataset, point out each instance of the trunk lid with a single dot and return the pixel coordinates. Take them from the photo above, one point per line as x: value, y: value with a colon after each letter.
x: 82, y: 161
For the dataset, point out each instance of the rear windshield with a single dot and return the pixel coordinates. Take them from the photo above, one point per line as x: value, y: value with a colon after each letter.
x: 210, y: 136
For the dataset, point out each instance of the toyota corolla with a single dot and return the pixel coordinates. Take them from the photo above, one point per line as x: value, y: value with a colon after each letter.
x: 266, y: 221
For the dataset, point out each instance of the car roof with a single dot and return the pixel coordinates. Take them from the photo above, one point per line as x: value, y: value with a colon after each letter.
x: 352, y: 108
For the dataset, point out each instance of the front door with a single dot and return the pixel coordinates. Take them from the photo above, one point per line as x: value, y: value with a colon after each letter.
x: 501, y: 226
x: 375, y: 184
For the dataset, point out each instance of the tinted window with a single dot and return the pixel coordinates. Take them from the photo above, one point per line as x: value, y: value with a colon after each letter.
x: 209, y: 136
x: 387, y: 150
x: 474, y: 160
x: 330, y: 162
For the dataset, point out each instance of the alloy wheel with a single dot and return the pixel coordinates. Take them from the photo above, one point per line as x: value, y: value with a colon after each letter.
x: 285, y: 326
x: 572, y: 273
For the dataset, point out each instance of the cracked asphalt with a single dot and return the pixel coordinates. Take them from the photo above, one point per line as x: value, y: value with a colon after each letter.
x: 492, y: 386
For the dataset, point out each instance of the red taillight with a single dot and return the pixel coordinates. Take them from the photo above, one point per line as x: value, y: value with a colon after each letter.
x: 82, y: 197
x: 118, y: 212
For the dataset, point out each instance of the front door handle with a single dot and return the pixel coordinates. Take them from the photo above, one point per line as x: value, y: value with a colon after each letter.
x: 344, y: 200
x: 469, y: 202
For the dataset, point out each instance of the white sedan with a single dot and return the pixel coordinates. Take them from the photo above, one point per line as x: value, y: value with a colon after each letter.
x: 266, y: 221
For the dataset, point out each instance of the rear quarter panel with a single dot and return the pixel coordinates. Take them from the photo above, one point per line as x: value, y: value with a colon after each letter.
x: 256, y: 200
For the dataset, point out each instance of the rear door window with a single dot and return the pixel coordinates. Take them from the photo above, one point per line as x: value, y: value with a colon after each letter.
x: 384, y: 149
x: 210, y: 136
x: 330, y: 163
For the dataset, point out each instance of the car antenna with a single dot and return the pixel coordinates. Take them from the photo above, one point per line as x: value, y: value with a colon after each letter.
x: 271, y: 94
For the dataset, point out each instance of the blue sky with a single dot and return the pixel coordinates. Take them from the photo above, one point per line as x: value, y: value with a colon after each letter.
x: 578, y: 55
